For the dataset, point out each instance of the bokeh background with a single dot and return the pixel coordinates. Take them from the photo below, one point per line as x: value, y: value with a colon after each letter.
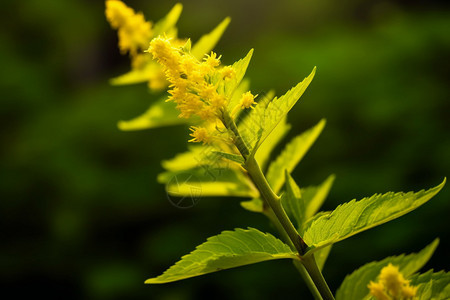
x: 82, y: 216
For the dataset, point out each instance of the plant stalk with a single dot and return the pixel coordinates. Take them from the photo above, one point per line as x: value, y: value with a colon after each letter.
x: 309, y: 262
x: 274, y: 202
x: 298, y: 265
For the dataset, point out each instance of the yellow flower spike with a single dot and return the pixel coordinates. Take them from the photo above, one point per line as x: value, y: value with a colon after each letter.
x: 133, y: 31
x: 200, y: 134
x: 247, y: 100
x: 377, y: 290
x: 392, y: 279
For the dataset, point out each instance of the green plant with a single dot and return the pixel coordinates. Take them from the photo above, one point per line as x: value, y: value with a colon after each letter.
x: 238, y: 132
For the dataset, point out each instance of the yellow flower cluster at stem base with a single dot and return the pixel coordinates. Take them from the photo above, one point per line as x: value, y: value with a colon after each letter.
x: 392, y: 285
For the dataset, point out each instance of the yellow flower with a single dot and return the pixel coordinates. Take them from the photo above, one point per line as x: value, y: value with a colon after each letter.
x: 200, y: 134
x: 392, y: 279
x: 377, y: 290
x: 392, y: 285
x: 191, y: 80
x: 247, y: 100
x: 228, y: 72
x: 133, y: 31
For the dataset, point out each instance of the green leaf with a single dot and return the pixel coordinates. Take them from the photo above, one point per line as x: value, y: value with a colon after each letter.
x: 432, y: 285
x: 208, y: 41
x: 321, y: 256
x: 291, y: 156
x: 255, y: 205
x: 250, y: 122
x: 263, y: 154
x: 169, y: 21
x: 292, y: 201
x: 314, y: 196
x: 277, y: 109
x: 204, y: 181
x: 354, y: 285
x: 236, y: 98
x: 240, y: 67
x: 353, y: 217
x: 227, y: 250
x: 185, y: 160
x: 233, y: 157
x: 160, y: 113
x: 139, y: 75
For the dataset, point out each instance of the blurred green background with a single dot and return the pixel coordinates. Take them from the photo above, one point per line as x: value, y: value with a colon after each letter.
x: 82, y: 215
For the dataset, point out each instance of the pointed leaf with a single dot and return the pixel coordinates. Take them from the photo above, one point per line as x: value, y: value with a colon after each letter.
x: 279, y: 107
x: 292, y: 201
x: 209, y: 41
x: 169, y: 21
x: 240, y: 67
x: 292, y: 155
x: 263, y: 154
x: 207, y: 181
x: 137, y: 75
x: 250, y: 122
x: 314, y: 196
x: 227, y: 250
x: 353, y: 217
x: 160, y: 113
x: 354, y: 285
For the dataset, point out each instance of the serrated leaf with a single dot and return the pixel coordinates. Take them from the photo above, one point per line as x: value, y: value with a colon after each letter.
x: 227, y: 250
x: 207, y: 181
x: 432, y: 285
x: 278, y: 108
x: 208, y: 41
x: 353, y: 217
x: 263, y: 154
x: 240, y: 67
x: 160, y: 113
x: 169, y: 21
x: 291, y: 156
x: 233, y: 157
x: 354, y: 285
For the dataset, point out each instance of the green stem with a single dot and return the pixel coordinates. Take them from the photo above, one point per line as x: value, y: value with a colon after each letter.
x: 308, y: 280
x: 274, y: 203
x: 313, y: 270
x: 298, y: 265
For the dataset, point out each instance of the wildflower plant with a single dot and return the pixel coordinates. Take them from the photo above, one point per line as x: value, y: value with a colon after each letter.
x: 233, y: 134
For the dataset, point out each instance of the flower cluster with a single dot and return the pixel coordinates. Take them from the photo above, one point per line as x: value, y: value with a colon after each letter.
x: 197, y: 87
x: 134, y: 32
x: 392, y: 285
